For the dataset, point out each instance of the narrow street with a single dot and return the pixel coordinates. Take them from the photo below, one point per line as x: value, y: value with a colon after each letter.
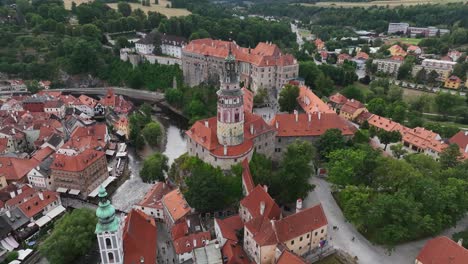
x: 366, y: 252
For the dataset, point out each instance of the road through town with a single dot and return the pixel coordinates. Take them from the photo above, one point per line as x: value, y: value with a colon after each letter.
x: 366, y: 252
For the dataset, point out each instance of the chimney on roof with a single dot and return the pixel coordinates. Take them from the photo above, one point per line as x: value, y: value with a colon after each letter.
x: 352, y: 99
x: 262, y: 207
x: 142, y: 260
x: 12, y: 194
x: 296, y: 114
x: 20, y: 191
x: 206, y: 123
x: 8, y: 214
x: 194, y: 243
x: 188, y: 223
x: 298, y: 205
x: 41, y: 196
x: 319, y: 115
x: 466, y: 148
x: 460, y: 242
x: 309, y: 116
x: 466, y: 133
x: 225, y: 150
x: 277, y: 124
x: 265, y: 187
x: 251, y: 129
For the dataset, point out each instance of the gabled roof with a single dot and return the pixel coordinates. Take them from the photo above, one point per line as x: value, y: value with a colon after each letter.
x: 300, y: 223
x: 454, y: 78
x: 442, y: 250
x: 86, y: 100
x: 319, y: 123
x: 77, y: 162
x: 153, y: 197
x: 229, y: 226
x: 26, y: 193
x: 176, y: 205
x: 290, y: 258
x: 97, y: 130
x: 43, y: 153
x: 139, y: 238
x: 186, y: 244
x: 35, y: 205
x: 247, y: 179
x: 338, y: 99
x: 351, y: 106
x: 461, y: 139
x: 262, y: 231
x: 234, y: 253
x: 14, y: 169
x: 179, y: 230
x: 312, y: 103
x: 252, y: 203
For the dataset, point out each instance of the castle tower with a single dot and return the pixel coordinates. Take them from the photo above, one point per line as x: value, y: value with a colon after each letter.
x: 230, y: 125
x: 108, y: 231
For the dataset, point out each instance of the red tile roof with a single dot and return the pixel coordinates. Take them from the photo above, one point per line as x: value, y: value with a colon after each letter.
x: 461, y: 139
x: 338, y: 99
x: 154, y: 196
x: 262, y: 231
x: 78, y: 162
x: 311, y: 103
x: 81, y: 143
x: 97, y: 130
x: 300, y: 223
x: 344, y: 56
x: 86, y: 100
x: 454, y: 78
x: 15, y: 169
x: 26, y: 193
x: 234, y: 253
x: 43, y: 153
x: 248, y: 100
x: 179, y: 230
x: 53, y: 104
x: 229, y: 226
x: 383, y: 123
x: 412, y: 48
x: 247, y: 179
x: 252, y: 203
x: 36, y: 205
x: 175, y: 204
x: 139, y: 238
x: 362, y: 56
x: 188, y: 243
x: 442, y: 250
x: 265, y: 54
x: 319, y: 123
x: 3, y: 144
x: 290, y: 258
x: 351, y: 106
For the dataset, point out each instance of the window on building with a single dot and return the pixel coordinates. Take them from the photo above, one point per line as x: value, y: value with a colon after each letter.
x: 321, y: 232
x: 292, y: 242
x: 108, y: 243
x: 316, y: 233
x: 300, y: 239
x: 110, y: 255
x: 308, y: 235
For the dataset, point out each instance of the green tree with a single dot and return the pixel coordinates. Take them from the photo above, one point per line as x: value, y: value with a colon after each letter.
x: 346, y: 166
x: 432, y: 77
x: 377, y: 106
x: 404, y: 72
x: 72, y: 237
x: 124, y: 8
x: 154, y: 168
x: 450, y: 157
x: 387, y: 137
x: 398, y: 151
x: 152, y: 133
x: 421, y: 76
x: 157, y: 42
x: 33, y: 87
x: 353, y: 92
x: 461, y: 235
x: 329, y: 141
x: 288, y: 98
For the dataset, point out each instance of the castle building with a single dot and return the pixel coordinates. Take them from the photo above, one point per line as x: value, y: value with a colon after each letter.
x: 234, y: 134
x: 265, y: 66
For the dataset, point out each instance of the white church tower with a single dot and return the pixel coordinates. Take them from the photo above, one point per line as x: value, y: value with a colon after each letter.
x: 108, y: 231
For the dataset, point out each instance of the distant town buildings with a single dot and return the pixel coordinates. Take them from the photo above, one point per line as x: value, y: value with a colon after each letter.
x: 453, y: 82
x: 442, y: 67
x: 404, y: 28
x: 389, y: 66
x: 264, y: 66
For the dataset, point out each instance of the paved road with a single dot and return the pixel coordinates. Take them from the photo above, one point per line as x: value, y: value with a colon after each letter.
x: 366, y: 252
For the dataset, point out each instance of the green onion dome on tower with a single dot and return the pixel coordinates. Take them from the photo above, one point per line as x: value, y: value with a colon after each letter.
x: 107, y: 222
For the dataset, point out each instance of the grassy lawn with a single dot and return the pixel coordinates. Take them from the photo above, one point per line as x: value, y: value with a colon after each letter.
x: 332, y: 259
x: 169, y: 12
x: 304, y: 33
x: 390, y: 3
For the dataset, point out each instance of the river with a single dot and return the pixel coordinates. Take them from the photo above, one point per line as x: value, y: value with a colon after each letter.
x: 134, y: 189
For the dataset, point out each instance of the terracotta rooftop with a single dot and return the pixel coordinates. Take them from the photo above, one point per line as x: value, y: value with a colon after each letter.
x: 234, y: 253
x: 117, y: 102
x: 175, y: 204
x: 383, y: 123
x: 43, y: 153
x: 26, y: 193
x: 53, y: 104
x: 229, y: 226
x: 78, y: 162
x: 35, y: 205
x: 262, y: 231
x: 97, y: 130
x: 317, y: 125
x: 188, y: 243
x: 247, y: 179
x: 81, y: 143
x: 300, y: 223
x: 461, y: 139
x: 139, y: 238
x: 338, y: 99
x: 179, y: 230
x: 351, y: 106
x: 3, y: 144
x: 442, y: 250
x: 454, y: 78
x: 86, y: 100
x: 265, y: 54
x: 362, y: 56
x: 15, y: 169
x: 344, y: 56
x: 153, y: 197
x: 312, y: 103
x: 290, y: 258
x: 252, y: 203
x: 248, y: 100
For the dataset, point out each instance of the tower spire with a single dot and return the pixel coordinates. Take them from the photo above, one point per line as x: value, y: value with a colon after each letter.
x: 105, y: 214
